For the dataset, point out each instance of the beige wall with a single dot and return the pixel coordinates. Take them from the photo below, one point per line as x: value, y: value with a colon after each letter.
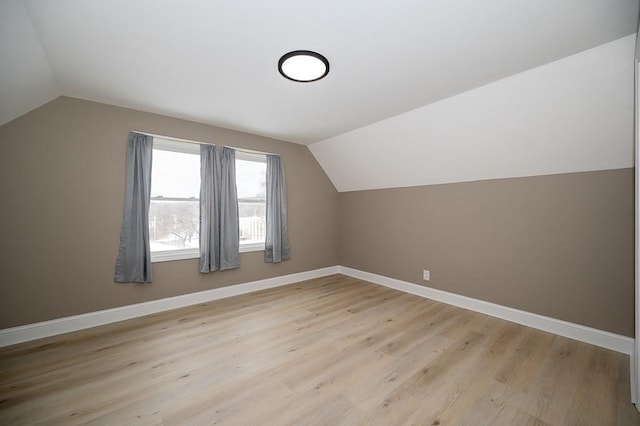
x: 560, y: 246
x: 62, y: 187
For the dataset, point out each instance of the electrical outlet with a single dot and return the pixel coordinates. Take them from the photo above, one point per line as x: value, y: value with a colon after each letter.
x: 426, y: 275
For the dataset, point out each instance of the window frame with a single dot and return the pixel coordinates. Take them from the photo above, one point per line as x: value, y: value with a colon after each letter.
x: 185, y: 147
x: 258, y: 157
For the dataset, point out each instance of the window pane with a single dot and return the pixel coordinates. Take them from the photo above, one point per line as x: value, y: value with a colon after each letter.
x: 174, y: 225
x: 174, y: 220
x: 251, y: 182
x: 175, y: 174
x: 251, y: 177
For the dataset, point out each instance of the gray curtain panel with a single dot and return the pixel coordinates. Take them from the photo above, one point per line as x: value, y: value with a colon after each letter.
x: 134, y: 254
x: 219, y: 227
x: 277, y: 238
x: 209, y: 219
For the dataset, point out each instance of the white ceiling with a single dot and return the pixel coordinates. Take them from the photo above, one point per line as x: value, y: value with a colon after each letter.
x: 215, y: 61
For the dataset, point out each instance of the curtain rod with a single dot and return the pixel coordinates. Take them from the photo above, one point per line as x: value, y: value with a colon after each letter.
x: 170, y: 138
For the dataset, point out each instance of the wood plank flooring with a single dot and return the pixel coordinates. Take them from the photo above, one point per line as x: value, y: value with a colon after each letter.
x: 329, y: 351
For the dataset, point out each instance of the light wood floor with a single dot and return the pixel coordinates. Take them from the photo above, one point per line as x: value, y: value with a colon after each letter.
x: 331, y: 351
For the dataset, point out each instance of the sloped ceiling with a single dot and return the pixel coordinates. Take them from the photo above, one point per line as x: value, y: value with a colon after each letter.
x: 572, y: 115
x: 26, y: 77
x: 215, y: 61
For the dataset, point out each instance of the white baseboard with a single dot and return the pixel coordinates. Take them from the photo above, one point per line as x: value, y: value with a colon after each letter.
x: 24, y: 333
x: 579, y: 332
x: 14, y: 335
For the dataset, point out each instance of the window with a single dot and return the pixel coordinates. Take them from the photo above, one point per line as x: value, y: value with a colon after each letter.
x: 251, y: 180
x: 174, y: 213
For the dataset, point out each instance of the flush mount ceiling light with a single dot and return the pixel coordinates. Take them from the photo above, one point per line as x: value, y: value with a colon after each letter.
x: 303, y: 66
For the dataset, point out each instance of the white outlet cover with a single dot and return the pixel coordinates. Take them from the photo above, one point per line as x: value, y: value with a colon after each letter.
x: 426, y: 275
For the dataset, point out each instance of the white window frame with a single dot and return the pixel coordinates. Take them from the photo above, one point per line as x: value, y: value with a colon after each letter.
x: 259, y: 158
x: 185, y: 148
x: 194, y: 148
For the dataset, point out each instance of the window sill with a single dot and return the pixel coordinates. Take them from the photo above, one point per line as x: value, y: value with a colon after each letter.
x: 246, y: 248
x: 170, y: 255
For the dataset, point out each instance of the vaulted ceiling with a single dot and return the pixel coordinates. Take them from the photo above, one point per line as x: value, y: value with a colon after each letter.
x: 216, y: 61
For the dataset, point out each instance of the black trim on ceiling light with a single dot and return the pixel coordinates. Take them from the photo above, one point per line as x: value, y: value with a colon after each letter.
x: 303, y: 53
